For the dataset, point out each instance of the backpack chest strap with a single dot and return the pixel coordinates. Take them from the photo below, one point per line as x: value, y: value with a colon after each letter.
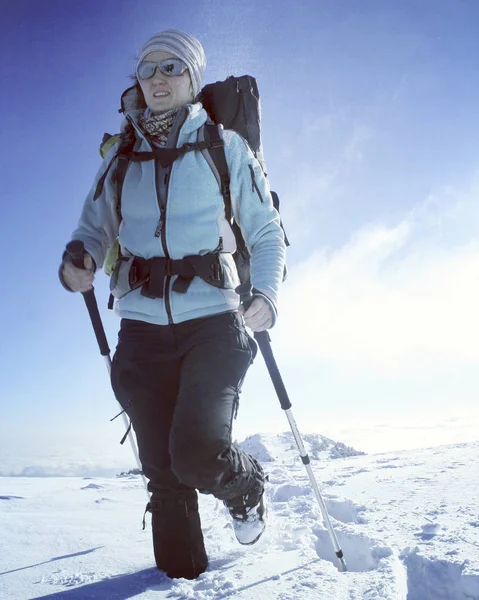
x: 167, y: 156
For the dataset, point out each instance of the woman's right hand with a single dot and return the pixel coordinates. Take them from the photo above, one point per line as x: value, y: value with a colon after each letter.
x: 79, y: 280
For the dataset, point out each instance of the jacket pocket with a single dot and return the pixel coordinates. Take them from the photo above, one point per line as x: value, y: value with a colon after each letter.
x: 249, y: 342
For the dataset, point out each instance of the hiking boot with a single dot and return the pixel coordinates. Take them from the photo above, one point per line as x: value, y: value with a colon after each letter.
x: 177, y: 537
x: 248, y: 521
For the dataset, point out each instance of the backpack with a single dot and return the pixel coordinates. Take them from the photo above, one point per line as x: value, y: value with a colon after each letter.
x: 233, y: 103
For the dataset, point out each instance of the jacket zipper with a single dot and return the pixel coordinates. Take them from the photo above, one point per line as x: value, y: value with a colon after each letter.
x: 160, y: 228
x: 254, y: 185
x: 161, y: 232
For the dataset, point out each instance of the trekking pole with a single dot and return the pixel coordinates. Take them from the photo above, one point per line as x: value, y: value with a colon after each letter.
x: 76, y: 250
x: 264, y: 343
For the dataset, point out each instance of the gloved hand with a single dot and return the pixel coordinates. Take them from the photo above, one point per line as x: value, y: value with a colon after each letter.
x: 75, y: 279
x: 259, y: 315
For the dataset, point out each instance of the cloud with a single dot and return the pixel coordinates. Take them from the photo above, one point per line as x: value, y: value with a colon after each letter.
x: 91, y: 450
x: 401, y: 297
x: 328, y: 150
x: 397, y: 433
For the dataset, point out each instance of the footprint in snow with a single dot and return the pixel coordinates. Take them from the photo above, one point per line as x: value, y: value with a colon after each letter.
x: 341, y: 510
x: 428, y: 531
x: 345, y: 511
x: 283, y: 493
x: 353, y: 471
x: 330, y: 482
x: 361, y: 553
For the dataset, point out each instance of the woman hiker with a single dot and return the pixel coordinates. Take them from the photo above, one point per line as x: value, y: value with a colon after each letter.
x: 183, y: 350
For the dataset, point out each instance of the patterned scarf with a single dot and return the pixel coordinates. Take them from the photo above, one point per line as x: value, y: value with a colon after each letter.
x: 158, y: 126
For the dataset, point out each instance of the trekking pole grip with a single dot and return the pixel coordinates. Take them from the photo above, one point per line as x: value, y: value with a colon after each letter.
x: 76, y: 250
x: 245, y: 292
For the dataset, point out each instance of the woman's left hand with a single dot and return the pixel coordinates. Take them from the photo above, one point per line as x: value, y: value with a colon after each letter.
x: 259, y: 315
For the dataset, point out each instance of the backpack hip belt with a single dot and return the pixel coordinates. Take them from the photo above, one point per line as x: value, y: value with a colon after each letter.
x: 152, y: 272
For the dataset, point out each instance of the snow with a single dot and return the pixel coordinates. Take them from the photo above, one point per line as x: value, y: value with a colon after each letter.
x: 408, y: 523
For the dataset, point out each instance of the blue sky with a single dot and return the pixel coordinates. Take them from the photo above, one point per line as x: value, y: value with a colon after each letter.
x: 370, y: 137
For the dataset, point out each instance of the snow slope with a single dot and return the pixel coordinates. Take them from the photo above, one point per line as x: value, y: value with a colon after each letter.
x: 408, y: 523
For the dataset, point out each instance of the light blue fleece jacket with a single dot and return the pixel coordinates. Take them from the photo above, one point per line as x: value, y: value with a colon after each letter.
x: 194, y: 221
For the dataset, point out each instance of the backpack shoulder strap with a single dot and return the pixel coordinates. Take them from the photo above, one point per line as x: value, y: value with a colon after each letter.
x: 216, y: 158
x: 122, y: 165
x: 122, y: 158
x: 101, y: 181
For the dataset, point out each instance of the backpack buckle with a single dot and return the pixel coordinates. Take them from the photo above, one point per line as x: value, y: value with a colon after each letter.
x: 187, y: 146
x: 216, y: 143
x: 216, y: 268
x: 133, y: 274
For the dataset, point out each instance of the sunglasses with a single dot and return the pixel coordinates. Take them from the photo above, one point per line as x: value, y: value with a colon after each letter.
x: 171, y: 67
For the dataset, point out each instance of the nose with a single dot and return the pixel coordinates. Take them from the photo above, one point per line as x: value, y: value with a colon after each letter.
x: 158, y: 76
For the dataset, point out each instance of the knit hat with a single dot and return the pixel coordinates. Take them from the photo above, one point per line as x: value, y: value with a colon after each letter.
x: 183, y: 46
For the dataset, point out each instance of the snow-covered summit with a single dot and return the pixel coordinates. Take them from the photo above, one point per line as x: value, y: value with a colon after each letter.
x: 281, y: 447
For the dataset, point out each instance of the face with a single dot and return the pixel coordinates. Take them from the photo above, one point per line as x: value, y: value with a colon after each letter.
x: 164, y: 92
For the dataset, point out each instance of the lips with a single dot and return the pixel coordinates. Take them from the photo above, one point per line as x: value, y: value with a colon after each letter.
x: 160, y: 94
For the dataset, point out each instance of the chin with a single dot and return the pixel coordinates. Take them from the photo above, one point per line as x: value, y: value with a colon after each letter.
x: 157, y: 110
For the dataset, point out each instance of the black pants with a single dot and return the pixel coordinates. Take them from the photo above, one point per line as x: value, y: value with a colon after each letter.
x: 180, y: 385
